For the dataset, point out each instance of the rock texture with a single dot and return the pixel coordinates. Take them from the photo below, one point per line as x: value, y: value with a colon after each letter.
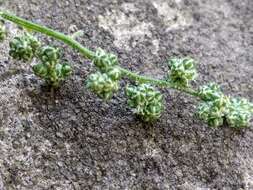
x: 72, y: 140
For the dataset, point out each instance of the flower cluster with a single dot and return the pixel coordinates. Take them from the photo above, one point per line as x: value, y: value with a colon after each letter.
x: 102, y: 85
x: 210, y: 92
x: 239, y: 112
x: 3, y: 32
x: 24, y: 47
x: 105, y: 81
x: 217, y: 108
x: 213, y: 112
x: 49, y: 54
x: 104, y: 61
x: 50, y: 68
x: 182, y: 72
x: 145, y: 101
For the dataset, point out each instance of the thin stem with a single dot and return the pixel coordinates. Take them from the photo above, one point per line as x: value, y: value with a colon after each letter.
x: 161, y: 83
x: 49, y: 32
x: 86, y: 52
x: 143, y: 79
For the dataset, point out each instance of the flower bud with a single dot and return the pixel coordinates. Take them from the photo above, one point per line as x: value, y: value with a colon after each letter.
x: 62, y: 71
x: 66, y: 70
x: 182, y: 71
x: 53, y: 74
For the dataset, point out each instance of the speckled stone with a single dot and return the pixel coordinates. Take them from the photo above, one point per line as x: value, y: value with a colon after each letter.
x: 70, y: 139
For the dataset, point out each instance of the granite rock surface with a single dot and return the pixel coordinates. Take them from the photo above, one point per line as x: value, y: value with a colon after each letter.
x: 72, y: 140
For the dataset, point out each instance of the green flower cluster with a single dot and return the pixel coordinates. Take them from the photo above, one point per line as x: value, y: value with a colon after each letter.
x: 217, y: 108
x: 102, y: 85
x: 104, y: 82
x: 24, y: 47
x: 3, y: 32
x: 50, y: 69
x: 239, y: 112
x: 104, y: 61
x: 213, y: 112
x: 182, y: 71
x: 210, y: 92
x: 145, y: 101
x: 49, y: 54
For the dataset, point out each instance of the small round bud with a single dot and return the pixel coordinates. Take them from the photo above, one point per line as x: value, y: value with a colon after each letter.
x: 114, y: 73
x: 104, y: 61
x: 34, y: 43
x: 3, y: 32
x: 66, y: 70
x: 24, y: 47
x: 145, y: 101
x: 62, y: 71
x: 239, y: 112
x: 182, y: 71
x: 40, y: 70
x: 210, y: 92
x: 102, y: 85
x: 52, y: 74
x: 49, y: 54
x: 213, y: 112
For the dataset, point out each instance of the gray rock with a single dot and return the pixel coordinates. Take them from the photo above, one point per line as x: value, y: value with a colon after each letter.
x: 72, y: 140
x: 1, y: 183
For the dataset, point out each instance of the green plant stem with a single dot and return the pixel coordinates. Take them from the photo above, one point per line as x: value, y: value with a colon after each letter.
x: 49, y: 32
x: 86, y: 52
x: 161, y: 83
